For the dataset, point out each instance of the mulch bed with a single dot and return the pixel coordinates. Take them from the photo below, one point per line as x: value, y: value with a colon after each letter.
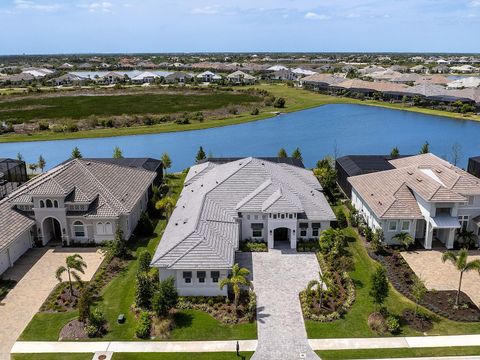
x: 74, y: 330
x: 440, y: 302
x: 417, y: 322
x: 331, y: 302
x: 61, y: 300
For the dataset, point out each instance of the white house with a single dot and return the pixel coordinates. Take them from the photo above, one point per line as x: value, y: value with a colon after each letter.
x: 79, y: 201
x: 239, y: 78
x: 225, y: 201
x: 423, y: 195
x: 208, y: 76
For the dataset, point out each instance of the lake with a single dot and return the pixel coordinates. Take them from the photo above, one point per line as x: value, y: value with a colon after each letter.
x: 350, y: 129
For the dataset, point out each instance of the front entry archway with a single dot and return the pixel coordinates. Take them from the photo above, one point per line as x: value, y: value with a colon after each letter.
x: 52, y: 230
x: 281, y: 237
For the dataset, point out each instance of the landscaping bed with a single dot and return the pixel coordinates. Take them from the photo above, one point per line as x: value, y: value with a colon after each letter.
x: 441, y: 302
x: 253, y: 246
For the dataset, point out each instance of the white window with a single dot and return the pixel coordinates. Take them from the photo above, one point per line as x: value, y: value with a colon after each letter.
x: 405, y: 225
x: 392, y: 226
x: 49, y: 203
x: 471, y: 200
x: 100, y: 228
x: 201, y: 275
x: 187, y: 277
x: 55, y: 203
x: 215, y: 275
x: 79, y: 229
x: 257, y: 230
x: 315, y: 229
x: 108, y: 228
x: 42, y: 204
x: 463, y: 220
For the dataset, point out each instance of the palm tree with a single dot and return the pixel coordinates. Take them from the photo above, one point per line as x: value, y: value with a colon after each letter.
x: 237, y: 277
x: 166, y: 204
x: 41, y: 163
x: 405, y: 239
x: 167, y: 162
x: 460, y: 261
x: 73, y: 262
x: 468, y: 238
x: 319, y: 284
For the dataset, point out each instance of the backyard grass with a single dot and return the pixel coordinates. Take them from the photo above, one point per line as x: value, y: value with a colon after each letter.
x: 118, y: 296
x: 398, y: 353
x: 296, y: 99
x: 354, y: 323
x: 51, y: 356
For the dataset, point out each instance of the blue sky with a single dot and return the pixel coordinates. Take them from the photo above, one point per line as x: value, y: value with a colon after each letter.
x: 72, y: 26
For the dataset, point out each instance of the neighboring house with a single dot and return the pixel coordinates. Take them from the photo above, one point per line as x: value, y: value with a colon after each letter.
x: 225, y: 201
x: 178, y: 77
x: 19, y: 79
x: 79, y: 201
x: 13, y: 173
x: 423, y: 195
x: 37, y: 72
x: 69, y: 79
x: 241, y: 78
x: 464, y: 69
x: 112, y: 78
x: 208, y: 76
x: 418, y: 69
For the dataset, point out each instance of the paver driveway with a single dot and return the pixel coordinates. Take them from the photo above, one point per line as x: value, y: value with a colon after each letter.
x: 35, y: 273
x: 278, y: 277
x: 428, y: 265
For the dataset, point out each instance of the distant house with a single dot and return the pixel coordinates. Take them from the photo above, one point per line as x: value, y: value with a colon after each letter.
x: 276, y: 201
x: 276, y: 68
x: 112, y: 78
x: 79, y: 201
x: 464, y: 69
x: 441, y: 69
x: 208, y: 76
x: 178, y: 77
x: 422, y: 195
x: 241, y: 78
x: 418, y: 69
x: 66, y: 66
x: 37, y: 72
x: 18, y: 79
x: 69, y: 79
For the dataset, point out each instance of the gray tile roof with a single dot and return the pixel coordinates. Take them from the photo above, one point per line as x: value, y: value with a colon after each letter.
x: 113, y: 190
x: 203, y: 230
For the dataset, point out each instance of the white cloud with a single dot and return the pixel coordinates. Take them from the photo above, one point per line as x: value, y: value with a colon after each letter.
x: 32, y: 5
x: 206, y: 10
x: 475, y: 3
x: 353, y: 15
x: 314, y: 16
x: 104, y: 6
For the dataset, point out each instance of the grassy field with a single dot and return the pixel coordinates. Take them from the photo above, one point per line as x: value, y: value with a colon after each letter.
x: 140, y: 356
x: 398, y: 353
x: 354, y: 323
x: 296, y: 99
x: 56, y: 356
x: 118, y: 296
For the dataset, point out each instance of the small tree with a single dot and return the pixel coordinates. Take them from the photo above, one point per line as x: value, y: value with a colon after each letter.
x: 166, y: 204
x: 117, y: 153
x: 84, y: 303
x: 405, y: 239
x: 76, y: 154
x: 279, y: 103
x: 73, y: 264
x: 145, y: 225
x: 395, y: 153
x: 165, y: 298
x: 117, y: 247
x: 33, y: 167
x: 200, y: 154
x: 282, y: 153
x: 425, y: 149
x: 319, y: 285
x: 341, y: 219
x: 41, y: 163
x: 167, y: 162
x: 144, y: 260
x: 460, y: 261
x: 19, y: 157
x: 377, y: 240
x: 144, y: 288
x: 418, y: 292
x: 238, y: 277
x: 297, y: 154
x: 379, y: 290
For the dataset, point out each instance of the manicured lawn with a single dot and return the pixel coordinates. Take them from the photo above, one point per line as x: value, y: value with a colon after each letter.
x: 46, y: 326
x: 354, y: 323
x: 56, y: 356
x: 398, y: 353
x: 79, y: 107
x: 183, y: 356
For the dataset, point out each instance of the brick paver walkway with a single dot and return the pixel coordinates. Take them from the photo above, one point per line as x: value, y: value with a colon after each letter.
x: 428, y: 265
x: 278, y: 277
x: 35, y: 273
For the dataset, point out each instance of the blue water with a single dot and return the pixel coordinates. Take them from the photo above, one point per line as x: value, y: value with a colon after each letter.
x: 351, y: 129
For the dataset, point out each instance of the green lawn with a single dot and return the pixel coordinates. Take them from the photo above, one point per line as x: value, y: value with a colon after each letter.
x: 80, y: 107
x: 118, y: 296
x: 398, y: 353
x: 56, y: 356
x: 354, y: 323
x: 183, y: 356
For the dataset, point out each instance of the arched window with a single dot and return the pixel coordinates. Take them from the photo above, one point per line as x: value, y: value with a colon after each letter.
x: 108, y: 228
x: 100, y: 228
x: 79, y: 229
x: 55, y: 203
x: 42, y: 204
x: 48, y: 203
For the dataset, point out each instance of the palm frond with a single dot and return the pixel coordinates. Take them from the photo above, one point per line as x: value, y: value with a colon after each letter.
x: 59, y: 272
x: 449, y: 256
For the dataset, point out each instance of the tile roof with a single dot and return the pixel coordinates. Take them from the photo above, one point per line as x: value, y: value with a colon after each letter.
x: 390, y: 193
x: 203, y: 229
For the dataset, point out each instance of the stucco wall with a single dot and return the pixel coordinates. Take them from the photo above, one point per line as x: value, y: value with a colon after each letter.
x: 195, y: 288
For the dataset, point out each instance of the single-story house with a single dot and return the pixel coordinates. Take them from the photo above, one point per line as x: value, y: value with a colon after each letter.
x: 223, y: 202
x: 240, y: 78
x: 178, y: 77
x: 208, y: 76
x: 78, y: 201
x: 423, y: 195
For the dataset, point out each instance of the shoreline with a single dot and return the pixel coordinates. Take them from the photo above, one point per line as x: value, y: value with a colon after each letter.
x: 300, y: 99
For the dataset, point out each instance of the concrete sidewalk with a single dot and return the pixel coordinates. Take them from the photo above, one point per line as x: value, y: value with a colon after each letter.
x: 397, y: 342
x: 36, y: 347
x: 433, y: 358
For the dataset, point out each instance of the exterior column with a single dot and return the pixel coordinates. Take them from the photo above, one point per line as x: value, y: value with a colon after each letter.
x: 451, y: 239
x: 270, y: 238
x: 428, y: 236
x: 293, y: 239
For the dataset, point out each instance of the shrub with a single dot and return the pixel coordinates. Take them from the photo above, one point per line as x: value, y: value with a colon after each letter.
x: 379, y: 290
x: 393, y: 324
x: 118, y: 246
x: 255, y: 112
x: 144, y: 288
x: 279, y: 103
x: 144, y: 260
x: 84, y: 303
x: 90, y: 330
x: 165, y: 298
x: 252, y: 306
x: 233, y: 110
x: 142, y: 330
x: 43, y: 126
x: 145, y: 225
x: 342, y: 219
x: 376, y: 322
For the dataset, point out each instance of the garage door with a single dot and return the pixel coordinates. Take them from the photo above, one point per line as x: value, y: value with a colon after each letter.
x: 19, y: 247
x: 4, y: 264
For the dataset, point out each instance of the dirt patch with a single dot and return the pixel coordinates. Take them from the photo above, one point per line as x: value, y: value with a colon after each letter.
x: 74, y: 330
x: 418, y: 322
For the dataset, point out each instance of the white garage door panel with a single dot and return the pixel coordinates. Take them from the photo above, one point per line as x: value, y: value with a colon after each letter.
x: 4, y: 264
x: 19, y: 248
